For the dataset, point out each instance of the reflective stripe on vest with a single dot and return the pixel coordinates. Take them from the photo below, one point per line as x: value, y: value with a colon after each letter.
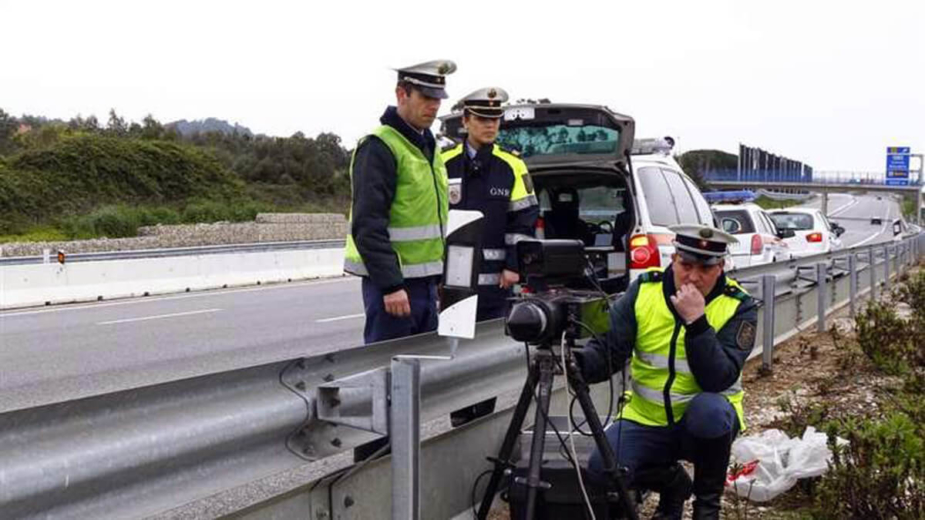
x: 494, y: 254
x: 526, y: 202
x: 653, y: 359
x: 490, y: 279
x: 414, y: 233
x: 512, y: 238
x: 408, y: 271
x: 418, y: 213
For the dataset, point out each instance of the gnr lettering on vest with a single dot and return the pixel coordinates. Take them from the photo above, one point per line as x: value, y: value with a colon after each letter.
x: 500, y: 192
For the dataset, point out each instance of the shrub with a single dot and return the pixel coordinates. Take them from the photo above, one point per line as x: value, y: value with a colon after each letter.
x: 893, y: 344
x: 878, y: 474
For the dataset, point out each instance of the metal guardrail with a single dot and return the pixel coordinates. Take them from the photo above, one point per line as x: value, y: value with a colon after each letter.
x: 180, y: 251
x: 149, y: 450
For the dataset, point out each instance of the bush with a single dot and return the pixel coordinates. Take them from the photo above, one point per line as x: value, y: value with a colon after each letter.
x: 878, y: 474
x: 117, y: 221
x: 892, y: 343
x: 216, y: 211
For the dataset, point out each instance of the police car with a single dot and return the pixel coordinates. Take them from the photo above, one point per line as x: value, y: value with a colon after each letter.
x: 760, y: 242
x: 596, y: 183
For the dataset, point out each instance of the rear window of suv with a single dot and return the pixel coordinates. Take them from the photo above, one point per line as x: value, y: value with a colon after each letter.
x: 795, y: 221
x: 736, y: 222
x: 559, y: 140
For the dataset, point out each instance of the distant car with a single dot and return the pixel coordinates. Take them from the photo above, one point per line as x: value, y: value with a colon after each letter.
x: 876, y: 221
x: 813, y: 233
x: 759, y: 239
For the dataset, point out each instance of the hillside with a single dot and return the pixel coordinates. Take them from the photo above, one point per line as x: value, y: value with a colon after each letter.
x: 80, y: 173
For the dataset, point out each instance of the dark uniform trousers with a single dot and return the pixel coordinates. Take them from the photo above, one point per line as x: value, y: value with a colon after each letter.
x: 709, y: 425
x: 382, y: 326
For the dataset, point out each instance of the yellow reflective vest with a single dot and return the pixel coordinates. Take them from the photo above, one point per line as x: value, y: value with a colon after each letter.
x: 662, y: 382
x: 418, y: 215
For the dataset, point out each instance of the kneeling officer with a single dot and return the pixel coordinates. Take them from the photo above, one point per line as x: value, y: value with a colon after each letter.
x: 688, y: 331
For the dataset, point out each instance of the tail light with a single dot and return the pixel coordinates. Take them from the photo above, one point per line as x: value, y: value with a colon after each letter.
x: 814, y: 237
x: 644, y: 252
x: 757, y: 244
x: 540, y: 229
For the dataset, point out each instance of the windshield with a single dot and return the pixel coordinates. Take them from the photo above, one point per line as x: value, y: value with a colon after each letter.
x: 795, y: 221
x: 560, y: 140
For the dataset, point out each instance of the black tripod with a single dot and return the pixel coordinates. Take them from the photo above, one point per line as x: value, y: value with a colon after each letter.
x: 540, y: 377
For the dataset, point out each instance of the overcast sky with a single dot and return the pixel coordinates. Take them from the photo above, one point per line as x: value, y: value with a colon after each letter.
x: 816, y: 81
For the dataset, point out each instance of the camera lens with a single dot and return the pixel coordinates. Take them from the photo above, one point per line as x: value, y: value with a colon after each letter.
x: 528, y: 322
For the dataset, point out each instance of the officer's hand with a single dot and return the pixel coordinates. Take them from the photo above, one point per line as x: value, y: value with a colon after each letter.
x: 397, y: 303
x: 508, y: 278
x: 689, y: 303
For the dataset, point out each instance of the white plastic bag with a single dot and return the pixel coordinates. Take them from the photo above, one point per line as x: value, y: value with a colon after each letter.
x: 771, y: 462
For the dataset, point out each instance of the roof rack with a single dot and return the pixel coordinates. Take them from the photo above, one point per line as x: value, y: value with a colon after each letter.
x: 652, y: 145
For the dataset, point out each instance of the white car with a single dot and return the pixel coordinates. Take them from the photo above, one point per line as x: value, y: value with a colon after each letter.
x: 760, y: 242
x: 813, y: 232
x: 588, y: 190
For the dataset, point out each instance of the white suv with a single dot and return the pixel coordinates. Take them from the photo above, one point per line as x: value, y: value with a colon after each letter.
x: 760, y: 242
x: 595, y: 183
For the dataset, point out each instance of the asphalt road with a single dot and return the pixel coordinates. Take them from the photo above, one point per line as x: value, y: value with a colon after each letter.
x: 72, y: 351
x: 853, y: 212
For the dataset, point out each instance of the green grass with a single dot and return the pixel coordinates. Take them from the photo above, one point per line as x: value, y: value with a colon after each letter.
x: 36, y: 234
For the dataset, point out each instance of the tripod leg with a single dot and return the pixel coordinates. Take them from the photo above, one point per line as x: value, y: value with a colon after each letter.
x: 507, y: 446
x: 547, y: 374
x: 600, y: 439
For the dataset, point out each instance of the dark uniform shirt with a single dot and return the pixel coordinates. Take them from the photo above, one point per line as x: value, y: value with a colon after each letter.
x: 715, y: 357
x: 487, y: 185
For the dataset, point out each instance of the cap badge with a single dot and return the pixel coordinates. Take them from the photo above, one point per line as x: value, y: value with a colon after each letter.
x: 443, y: 68
x: 706, y: 233
x: 492, y: 94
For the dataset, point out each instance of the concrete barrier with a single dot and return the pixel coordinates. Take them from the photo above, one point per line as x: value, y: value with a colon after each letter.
x: 46, y: 284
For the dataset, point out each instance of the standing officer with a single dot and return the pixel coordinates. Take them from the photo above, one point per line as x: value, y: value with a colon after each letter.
x: 399, y: 211
x: 688, y: 330
x: 485, y: 177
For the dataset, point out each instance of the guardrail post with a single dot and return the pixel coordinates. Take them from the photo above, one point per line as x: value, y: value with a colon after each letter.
x: 852, y: 281
x: 405, y: 434
x: 821, y: 273
x: 873, y: 273
x: 768, y: 287
x: 886, y: 269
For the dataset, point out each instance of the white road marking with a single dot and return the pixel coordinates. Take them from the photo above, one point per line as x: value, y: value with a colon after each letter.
x: 158, y: 317
x: 198, y: 294
x: 854, y: 201
x: 339, y: 318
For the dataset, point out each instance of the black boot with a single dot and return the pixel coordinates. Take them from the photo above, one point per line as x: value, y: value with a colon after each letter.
x: 712, y: 461
x: 674, y: 491
x: 673, y: 486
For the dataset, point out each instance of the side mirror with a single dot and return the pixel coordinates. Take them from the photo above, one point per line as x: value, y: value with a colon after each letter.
x: 839, y: 231
x: 786, y: 233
